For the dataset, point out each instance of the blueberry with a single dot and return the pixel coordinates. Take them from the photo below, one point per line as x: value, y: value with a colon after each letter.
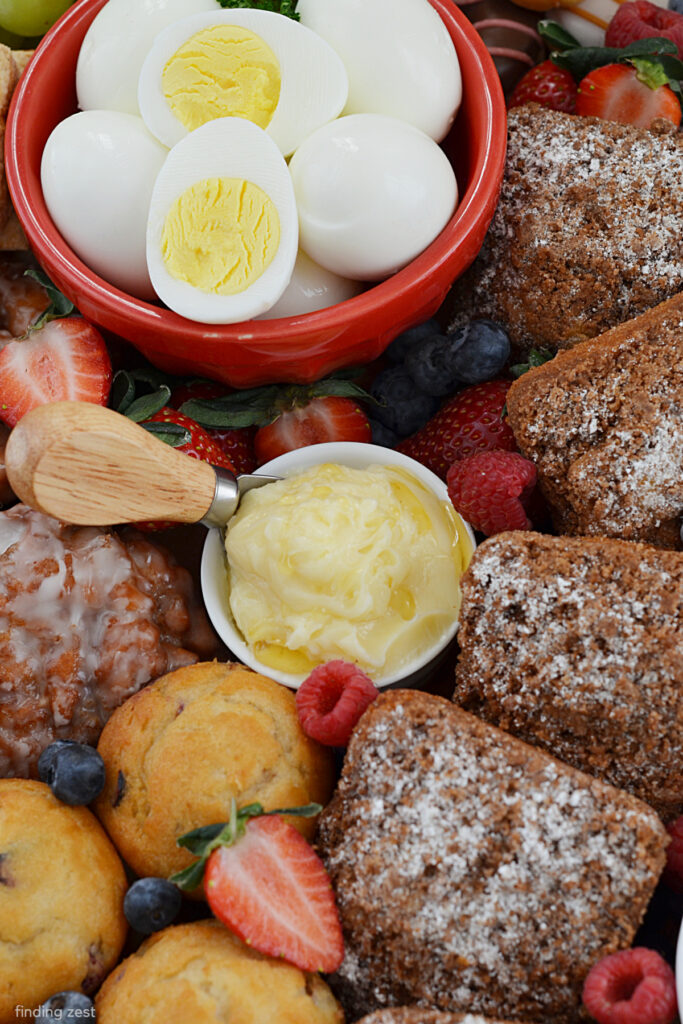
x: 402, y: 407
x: 151, y: 904
x: 382, y: 435
x: 402, y: 343
x: 676, y: 5
x: 481, y: 349
x: 430, y: 364
x: 67, y: 1006
x: 73, y: 771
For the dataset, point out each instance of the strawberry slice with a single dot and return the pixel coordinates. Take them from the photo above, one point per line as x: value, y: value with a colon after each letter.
x: 264, y: 882
x: 272, y: 890
x: 328, y: 418
x: 628, y: 94
x: 64, y: 360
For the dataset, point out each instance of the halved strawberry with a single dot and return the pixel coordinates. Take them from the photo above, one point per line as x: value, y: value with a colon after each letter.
x: 264, y: 882
x: 329, y: 418
x: 628, y: 94
x: 289, y: 416
x: 547, y: 84
x: 64, y: 360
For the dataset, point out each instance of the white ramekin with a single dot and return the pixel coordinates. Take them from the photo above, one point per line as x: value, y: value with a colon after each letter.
x: 214, y: 576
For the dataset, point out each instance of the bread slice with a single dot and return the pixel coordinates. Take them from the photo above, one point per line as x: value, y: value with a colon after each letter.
x: 587, y: 231
x: 414, y: 1015
x: 474, y: 873
x: 604, y: 426
x: 576, y: 645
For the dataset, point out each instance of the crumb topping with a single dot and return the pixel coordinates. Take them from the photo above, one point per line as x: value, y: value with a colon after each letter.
x: 586, y: 233
x: 473, y: 872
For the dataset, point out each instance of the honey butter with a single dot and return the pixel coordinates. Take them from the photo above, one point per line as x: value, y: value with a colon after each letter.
x: 335, y: 562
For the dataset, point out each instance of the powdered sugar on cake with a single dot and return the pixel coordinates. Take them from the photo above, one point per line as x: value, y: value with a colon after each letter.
x: 501, y: 865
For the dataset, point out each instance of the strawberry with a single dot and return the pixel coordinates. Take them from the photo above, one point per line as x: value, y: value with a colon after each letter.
x: 237, y: 445
x: 628, y: 94
x: 547, y: 84
x: 61, y: 360
x: 640, y: 19
x: 267, y: 885
x: 288, y: 417
x: 470, y: 422
x: 196, y: 443
x: 329, y: 418
x: 673, y: 872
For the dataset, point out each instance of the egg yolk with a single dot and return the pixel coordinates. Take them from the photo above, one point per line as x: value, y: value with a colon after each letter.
x: 223, y: 71
x: 220, y: 235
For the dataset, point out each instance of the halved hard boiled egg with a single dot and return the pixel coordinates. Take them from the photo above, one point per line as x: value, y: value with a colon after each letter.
x: 251, y: 64
x: 222, y: 233
x: 116, y: 44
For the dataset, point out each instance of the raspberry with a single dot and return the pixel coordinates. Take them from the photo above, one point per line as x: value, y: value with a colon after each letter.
x: 635, y: 986
x: 639, y: 19
x: 673, y: 872
x: 331, y: 701
x: 492, y: 490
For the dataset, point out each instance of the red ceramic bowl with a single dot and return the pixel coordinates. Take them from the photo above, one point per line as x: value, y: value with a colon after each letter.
x: 301, y: 348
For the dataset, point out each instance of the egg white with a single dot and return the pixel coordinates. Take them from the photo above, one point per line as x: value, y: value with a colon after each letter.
x: 234, y: 148
x: 310, y: 289
x: 399, y: 57
x: 98, y: 170
x: 314, y: 85
x: 116, y: 44
x: 372, y: 192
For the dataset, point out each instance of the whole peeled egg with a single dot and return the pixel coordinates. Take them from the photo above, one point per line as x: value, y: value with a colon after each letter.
x: 97, y: 172
x: 398, y: 55
x: 372, y: 192
x: 222, y: 233
x: 310, y: 289
x: 253, y: 64
x: 116, y: 44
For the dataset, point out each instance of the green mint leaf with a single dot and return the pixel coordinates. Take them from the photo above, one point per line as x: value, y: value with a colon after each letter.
x: 190, y: 878
x: 122, y: 391
x: 556, y: 37
x: 148, y: 405
x: 206, y: 415
x: 170, y: 433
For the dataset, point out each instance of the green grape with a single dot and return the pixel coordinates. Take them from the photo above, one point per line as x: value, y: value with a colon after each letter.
x: 31, y: 17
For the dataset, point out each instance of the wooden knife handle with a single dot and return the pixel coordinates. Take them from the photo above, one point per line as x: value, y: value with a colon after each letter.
x: 88, y: 465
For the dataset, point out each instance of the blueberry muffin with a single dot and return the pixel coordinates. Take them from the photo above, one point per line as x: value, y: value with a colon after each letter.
x: 178, y: 752
x: 201, y: 973
x: 61, y: 898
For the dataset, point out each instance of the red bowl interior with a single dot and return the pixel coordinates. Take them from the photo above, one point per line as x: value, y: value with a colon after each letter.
x: 301, y: 348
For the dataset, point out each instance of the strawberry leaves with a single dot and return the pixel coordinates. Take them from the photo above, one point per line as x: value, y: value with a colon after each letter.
x: 156, y: 389
x: 59, y: 307
x: 655, y: 58
x: 204, y: 840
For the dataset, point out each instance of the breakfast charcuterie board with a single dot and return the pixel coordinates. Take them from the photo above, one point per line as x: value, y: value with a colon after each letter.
x: 341, y: 562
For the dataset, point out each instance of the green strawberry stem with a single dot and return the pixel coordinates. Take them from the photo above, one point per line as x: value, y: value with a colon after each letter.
x: 260, y: 406
x: 59, y: 307
x: 204, y: 840
x: 579, y: 60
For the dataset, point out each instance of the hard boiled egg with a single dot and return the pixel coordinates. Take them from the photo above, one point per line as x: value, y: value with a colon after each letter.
x: 98, y: 171
x: 222, y: 233
x: 252, y: 64
x: 372, y: 193
x: 116, y: 45
x: 399, y: 57
x: 311, y: 288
